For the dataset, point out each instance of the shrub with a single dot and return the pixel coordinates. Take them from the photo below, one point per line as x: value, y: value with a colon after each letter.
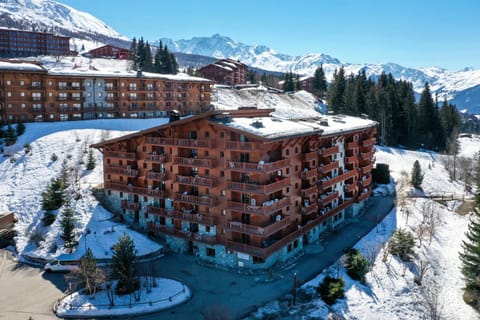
x: 48, y: 218
x: 401, y: 244
x: 20, y: 129
x: 356, y: 265
x: 27, y: 147
x: 53, y: 157
x: 417, y: 175
x: 381, y: 174
x: 331, y: 289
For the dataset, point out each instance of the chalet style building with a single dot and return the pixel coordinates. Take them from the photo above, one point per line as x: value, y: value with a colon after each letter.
x: 18, y: 43
x: 226, y: 71
x: 109, y: 51
x: 240, y: 188
x: 29, y: 92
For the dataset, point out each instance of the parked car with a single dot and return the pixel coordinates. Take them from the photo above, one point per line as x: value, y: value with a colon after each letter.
x: 61, y: 265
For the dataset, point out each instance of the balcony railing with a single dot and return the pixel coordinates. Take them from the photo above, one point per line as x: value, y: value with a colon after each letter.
x: 369, y: 142
x: 267, y: 208
x: 309, y: 173
x: 325, y: 183
x: 325, y: 152
x: 241, y: 146
x: 351, y: 145
x: 366, y: 169
x: 258, y: 188
x: 159, y: 140
x: 121, y: 171
x: 120, y: 155
x: 366, y: 156
x: 258, y: 166
x: 193, y: 236
x: 130, y: 205
x: 196, y: 181
x: 159, y: 176
x: 325, y: 199
x: 153, y: 192
x: 182, y: 142
x: 325, y: 168
x: 366, y: 182
x: 153, y: 157
x: 195, y: 162
x: 351, y: 160
x: 310, y: 209
x: 309, y: 156
x: 350, y: 187
x: 364, y: 196
x: 264, y: 231
x: 184, y: 216
x: 200, y: 200
x: 306, y: 193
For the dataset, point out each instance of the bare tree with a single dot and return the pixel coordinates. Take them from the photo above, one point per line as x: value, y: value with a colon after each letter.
x: 422, y: 268
x: 385, y: 252
x: 371, y: 252
x: 431, y: 302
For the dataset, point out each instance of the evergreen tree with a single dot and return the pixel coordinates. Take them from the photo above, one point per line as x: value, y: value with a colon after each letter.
x: 10, y: 135
x: 298, y: 84
x: 336, y: 94
x: 91, y: 163
x: 133, y: 55
x: 157, y: 59
x: 319, y: 82
x: 401, y: 244
x: 148, y: 60
x: 288, y: 85
x: 430, y: 131
x: 252, y: 77
x: 68, y: 227
x: 53, y: 198
x: 470, y: 257
x: 124, y: 265
x: 20, y: 129
x: 89, y: 276
x: 417, y: 175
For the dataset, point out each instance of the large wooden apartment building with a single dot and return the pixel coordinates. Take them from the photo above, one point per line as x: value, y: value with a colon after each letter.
x: 240, y: 188
x: 226, y: 71
x: 29, y: 92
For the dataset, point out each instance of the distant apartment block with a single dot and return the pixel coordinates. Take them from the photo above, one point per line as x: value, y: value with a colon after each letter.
x: 109, y: 51
x: 18, y: 43
x: 29, y: 92
x: 240, y: 188
x: 226, y: 71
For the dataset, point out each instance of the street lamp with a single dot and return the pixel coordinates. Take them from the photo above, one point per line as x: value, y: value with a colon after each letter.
x: 294, y: 288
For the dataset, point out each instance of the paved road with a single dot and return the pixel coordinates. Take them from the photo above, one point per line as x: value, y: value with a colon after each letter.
x: 26, y: 291
x: 236, y: 295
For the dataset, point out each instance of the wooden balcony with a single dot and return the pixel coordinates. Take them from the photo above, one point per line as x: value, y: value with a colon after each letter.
x: 158, y: 176
x: 259, y: 188
x: 325, y: 199
x: 310, y: 209
x: 351, y: 145
x: 369, y: 142
x: 196, y: 181
x: 326, y: 183
x: 119, y: 155
x: 366, y: 169
x: 363, y: 196
x: 350, y: 187
x: 152, y: 157
x: 366, y: 156
x: 351, y: 160
x: 267, y: 208
x: 200, y: 200
x: 130, y: 205
x: 308, y: 174
x: 195, y: 162
x: 242, y: 146
x: 264, y: 231
x: 122, y: 171
x: 193, y: 236
x: 309, y: 156
x: 365, y: 182
x: 258, y: 166
x: 195, y: 143
x: 307, y: 192
x: 325, y: 152
x: 159, y: 141
x: 134, y: 189
x: 325, y: 168
x: 199, y: 218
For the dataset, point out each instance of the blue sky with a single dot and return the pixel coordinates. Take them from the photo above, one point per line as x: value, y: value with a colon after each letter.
x: 443, y: 33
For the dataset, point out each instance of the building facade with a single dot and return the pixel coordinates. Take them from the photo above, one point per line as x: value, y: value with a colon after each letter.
x: 18, y: 43
x: 240, y: 188
x: 109, y: 51
x: 226, y: 71
x: 29, y: 92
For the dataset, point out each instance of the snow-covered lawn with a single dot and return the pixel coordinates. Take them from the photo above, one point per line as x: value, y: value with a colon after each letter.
x: 166, y: 294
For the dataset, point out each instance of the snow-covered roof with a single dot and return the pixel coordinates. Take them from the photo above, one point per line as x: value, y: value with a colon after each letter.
x: 20, y: 66
x: 278, y: 128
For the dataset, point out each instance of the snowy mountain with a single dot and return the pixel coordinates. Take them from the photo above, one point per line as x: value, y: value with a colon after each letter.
x: 462, y: 86
x: 52, y: 16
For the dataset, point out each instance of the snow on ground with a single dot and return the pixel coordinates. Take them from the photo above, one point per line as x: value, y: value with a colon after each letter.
x: 390, y: 291
x: 469, y: 146
x: 25, y: 176
x: 166, y: 294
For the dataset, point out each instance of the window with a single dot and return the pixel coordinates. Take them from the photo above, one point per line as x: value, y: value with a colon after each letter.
x: 22, y: 82
x: 222, y: 154
x: 207, y: 229
x: 9, y: 82
x: 23, y: 105
x: 210, y: 252
x: 9, y: 94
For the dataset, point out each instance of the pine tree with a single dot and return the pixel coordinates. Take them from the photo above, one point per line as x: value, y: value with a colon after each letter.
x: 68, y: 227
x: 470, y: 257
x: 148, y: 60
x: 10, y: 135
x: 319, y: 82
x: 288, y: 85
x: 336, y: 94
x: 402, y: 244
x: 417, y: 175
x: 53, y: 198
x: 123, y: 265
x: 133, y: 55
x: 20, y: 129
x: 91, y: 163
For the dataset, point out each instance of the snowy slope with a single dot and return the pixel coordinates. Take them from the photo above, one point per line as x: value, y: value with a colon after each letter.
x: 444, y: 82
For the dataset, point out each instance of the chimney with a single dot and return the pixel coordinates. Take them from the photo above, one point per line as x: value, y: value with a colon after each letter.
x: 139, y: 73
x: 174, y: 116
